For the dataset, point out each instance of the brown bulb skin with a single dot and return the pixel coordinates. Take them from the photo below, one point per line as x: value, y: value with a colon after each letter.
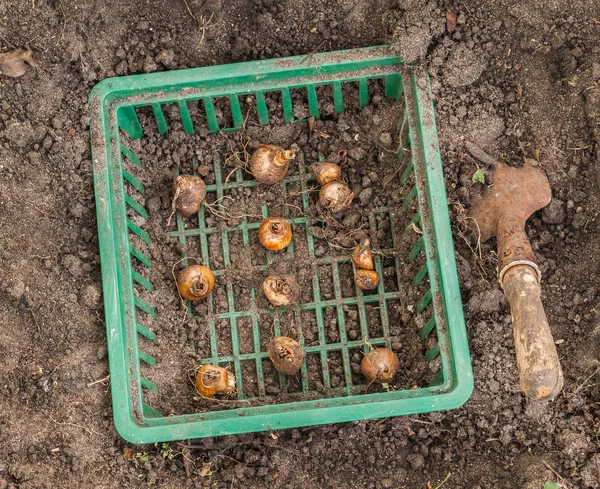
x: 362, y: 256
x: 366, y: 279
x: 270, y: 163
x: 189, y: 192
x: 212, y: 380
x: 281, y: 291
x: 327, y: 172
x: 336, y: 196
x: 380, y: 365
x: 195, y: 282
x: 286, y: 354
x: 275, y: 233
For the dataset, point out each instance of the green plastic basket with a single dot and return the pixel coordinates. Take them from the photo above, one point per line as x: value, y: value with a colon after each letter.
x: 129, y: 319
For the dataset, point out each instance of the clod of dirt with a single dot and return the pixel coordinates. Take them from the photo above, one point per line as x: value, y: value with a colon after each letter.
x: 463, y: 67
x: 411, y: 43
x: 555, y: 212
x: 14, y: 63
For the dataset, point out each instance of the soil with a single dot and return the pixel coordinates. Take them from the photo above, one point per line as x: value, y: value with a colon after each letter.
x: 520, y: 79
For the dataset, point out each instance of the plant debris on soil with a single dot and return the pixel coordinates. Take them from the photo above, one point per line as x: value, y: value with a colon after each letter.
x: 518, y: 79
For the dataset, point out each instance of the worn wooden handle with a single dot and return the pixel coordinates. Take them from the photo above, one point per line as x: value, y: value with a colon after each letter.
x: 537, y: 359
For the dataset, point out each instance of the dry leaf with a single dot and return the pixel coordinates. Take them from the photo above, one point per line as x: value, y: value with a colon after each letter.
x: 450, y: 22
x: 127, y: 453
x: 205, y: 470
x: 14, y: 63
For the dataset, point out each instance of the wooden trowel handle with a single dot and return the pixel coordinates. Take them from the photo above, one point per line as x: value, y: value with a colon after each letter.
x: 537, y: 359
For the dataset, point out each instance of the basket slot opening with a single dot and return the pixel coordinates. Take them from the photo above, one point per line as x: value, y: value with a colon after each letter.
x: 347, y: 279
x: 325, y: 278
x: 310, y: 330
x: 215, y: 252
x: 373, y: 313
x: 248, y: 108
x: 128, y: 121
x: 325, y: 97
x: 300, y: 103
x: 274, y: 106
x: 389, y: 275
x: 385, y: 237
x: 245, y: 335
x: 331, y: 325
x: 395, y: 310
x: 376, y: 90
x: 336, y: 369
x: 223, y: 330
x: 197, y: 116
x: 251, y: 385
x: 314, y: 372
x: 224, y: 113
x: 351, y: 322
x: 219, y: 295
x: 356, y: 355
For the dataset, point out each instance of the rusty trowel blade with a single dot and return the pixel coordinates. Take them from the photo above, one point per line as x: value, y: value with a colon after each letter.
x: 515, y: 192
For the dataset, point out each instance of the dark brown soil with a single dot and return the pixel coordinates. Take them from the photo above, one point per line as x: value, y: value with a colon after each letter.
x: 518, y: 78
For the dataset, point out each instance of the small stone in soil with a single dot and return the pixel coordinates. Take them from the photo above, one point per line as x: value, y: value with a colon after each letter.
x: 554, y: 213
x: 357, y: 153
x: 365, y: 196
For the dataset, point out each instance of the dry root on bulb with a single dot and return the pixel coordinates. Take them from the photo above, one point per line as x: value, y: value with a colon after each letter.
x: 286, y: 354
x: 366, y: 279
x: 212, y: 380
x: 281, y: 291
x: 189, y: 191
x: 275, y: 233
x: 195, y: 282
x: 380, y: 364
x: 336, y: 196
x: 362, y: 256
x: 327, y: 172
x: 269, y: 163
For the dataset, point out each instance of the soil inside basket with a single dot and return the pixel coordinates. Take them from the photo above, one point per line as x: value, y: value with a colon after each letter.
x: 371, y: 138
